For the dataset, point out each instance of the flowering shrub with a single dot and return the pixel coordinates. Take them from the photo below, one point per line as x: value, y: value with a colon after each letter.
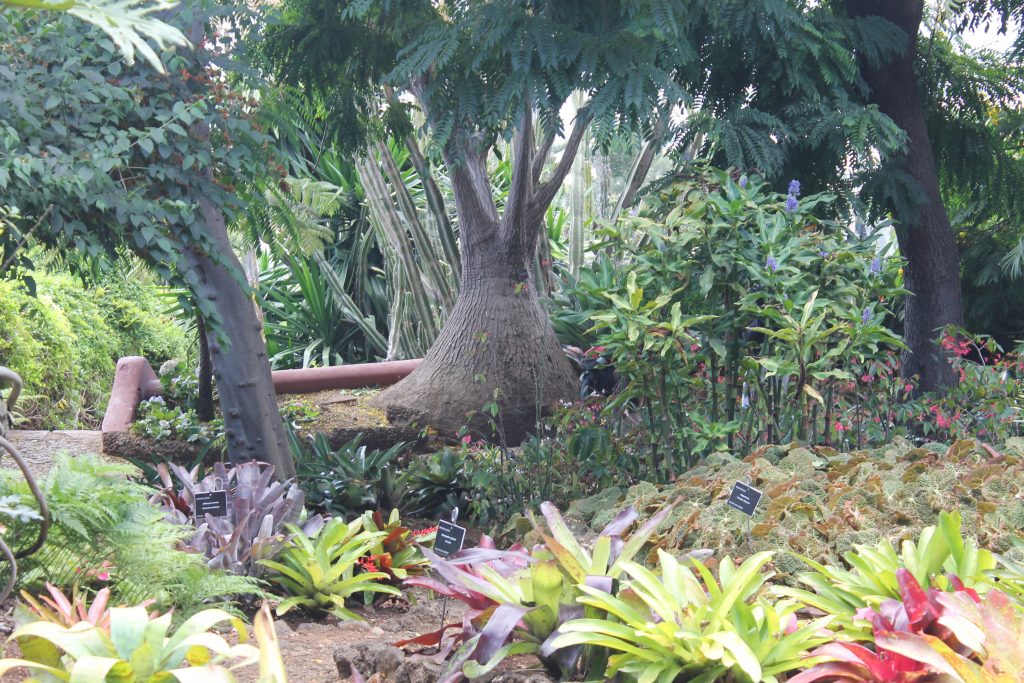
x: 749, y: 318
x: 737, y: 321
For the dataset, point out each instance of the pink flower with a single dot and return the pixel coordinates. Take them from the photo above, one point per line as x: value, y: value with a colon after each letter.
x: 840, y: 427
x: 866, y: 378
x: 908, y: 388
x: 467, y: 439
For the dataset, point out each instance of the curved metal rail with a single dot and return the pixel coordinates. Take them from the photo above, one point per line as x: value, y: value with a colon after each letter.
x: 6, y: 409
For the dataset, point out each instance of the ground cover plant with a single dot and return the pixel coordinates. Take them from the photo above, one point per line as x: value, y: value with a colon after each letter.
x: 820, y: 503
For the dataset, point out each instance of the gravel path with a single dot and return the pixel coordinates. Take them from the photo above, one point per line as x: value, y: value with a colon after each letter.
x: 39, y: 447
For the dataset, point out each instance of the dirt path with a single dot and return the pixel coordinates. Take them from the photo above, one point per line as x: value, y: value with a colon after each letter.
x: 38, y: 447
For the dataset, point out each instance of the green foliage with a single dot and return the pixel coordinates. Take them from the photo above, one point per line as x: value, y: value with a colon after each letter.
x: 136, y: 646
x: 156, y: 420
x: 119, y: 153
x: 65, y: 340
x: 436, y: 484
x: 106, y: 532
x: 742, y: 307
x: 348, y: 480
x: 318, y: 572
x: 677, y: 626
x: 940, y: 551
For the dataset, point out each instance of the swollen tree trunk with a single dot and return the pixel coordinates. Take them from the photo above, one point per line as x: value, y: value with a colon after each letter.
x: 497, y: 345
x: 252, y: 421
x: 926, y: 239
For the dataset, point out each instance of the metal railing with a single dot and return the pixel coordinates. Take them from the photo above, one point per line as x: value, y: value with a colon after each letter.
x: 8, y: 376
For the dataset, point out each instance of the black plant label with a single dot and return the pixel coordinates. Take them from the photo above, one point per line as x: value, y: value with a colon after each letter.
x: 744, y: 498
x: 449, y: 538
x: 213, y: 503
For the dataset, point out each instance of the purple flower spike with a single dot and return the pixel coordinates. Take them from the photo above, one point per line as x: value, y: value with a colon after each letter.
x: 794, y: 188
x: 743, y: 181
x: 865, y: 317
x: 791, y: 203
x: 876, y: 265
x: 771, y: 264
x: 822, y: 253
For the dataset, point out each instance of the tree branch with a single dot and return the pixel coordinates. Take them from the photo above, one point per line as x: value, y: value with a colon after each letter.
x: 546, y: 192
x: 542, y: 156
x: 641, y: 167
x: 517, y: 206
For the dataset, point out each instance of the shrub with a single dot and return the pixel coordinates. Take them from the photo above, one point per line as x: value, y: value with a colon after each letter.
x: 65, y: 341
x: 737, y: 317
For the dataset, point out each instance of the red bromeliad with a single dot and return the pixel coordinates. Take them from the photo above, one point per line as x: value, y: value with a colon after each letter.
x: 917, y: 613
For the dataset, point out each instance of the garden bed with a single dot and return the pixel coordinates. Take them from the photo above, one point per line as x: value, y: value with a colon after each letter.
x: 819, y: 503
x: 339, y: 414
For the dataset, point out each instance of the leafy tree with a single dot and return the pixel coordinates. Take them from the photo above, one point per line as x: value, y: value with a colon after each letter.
x: 108, y: 155
x: 939, y: 111
x: 128, y: 24
x: 486, y: 71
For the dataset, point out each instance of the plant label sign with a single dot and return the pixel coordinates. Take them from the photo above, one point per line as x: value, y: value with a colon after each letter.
x: 744, y: 498
x: 211, y: 503
x: 449, y: 539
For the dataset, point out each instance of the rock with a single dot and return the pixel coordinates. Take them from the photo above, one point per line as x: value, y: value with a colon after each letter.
x: 309, y: 627
x: 386, y: 663
x: 353, y: 625
x: 282, y: 629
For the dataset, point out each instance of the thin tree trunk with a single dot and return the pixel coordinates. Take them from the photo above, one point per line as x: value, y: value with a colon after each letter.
x: 926, y: 239
x: 204, y: 402
x: 252, y: 420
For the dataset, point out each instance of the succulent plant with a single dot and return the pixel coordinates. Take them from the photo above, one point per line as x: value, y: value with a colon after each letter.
x: 260, y: 512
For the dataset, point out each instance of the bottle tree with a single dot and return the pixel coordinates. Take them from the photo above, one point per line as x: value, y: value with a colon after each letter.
x: 485, y: 72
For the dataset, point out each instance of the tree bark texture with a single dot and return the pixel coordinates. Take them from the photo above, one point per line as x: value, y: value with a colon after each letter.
x: 496, y: 343
x: 252, y: 420
x: 204, y: 402
x: 926, y: 240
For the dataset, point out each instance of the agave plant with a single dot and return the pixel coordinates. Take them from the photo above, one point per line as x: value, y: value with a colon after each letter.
x: 259, y: 511
x: 345, y: 481
x: 679, y: 627
x: 436, y: 484
x: 318, y: 572
x: 137, y: 647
